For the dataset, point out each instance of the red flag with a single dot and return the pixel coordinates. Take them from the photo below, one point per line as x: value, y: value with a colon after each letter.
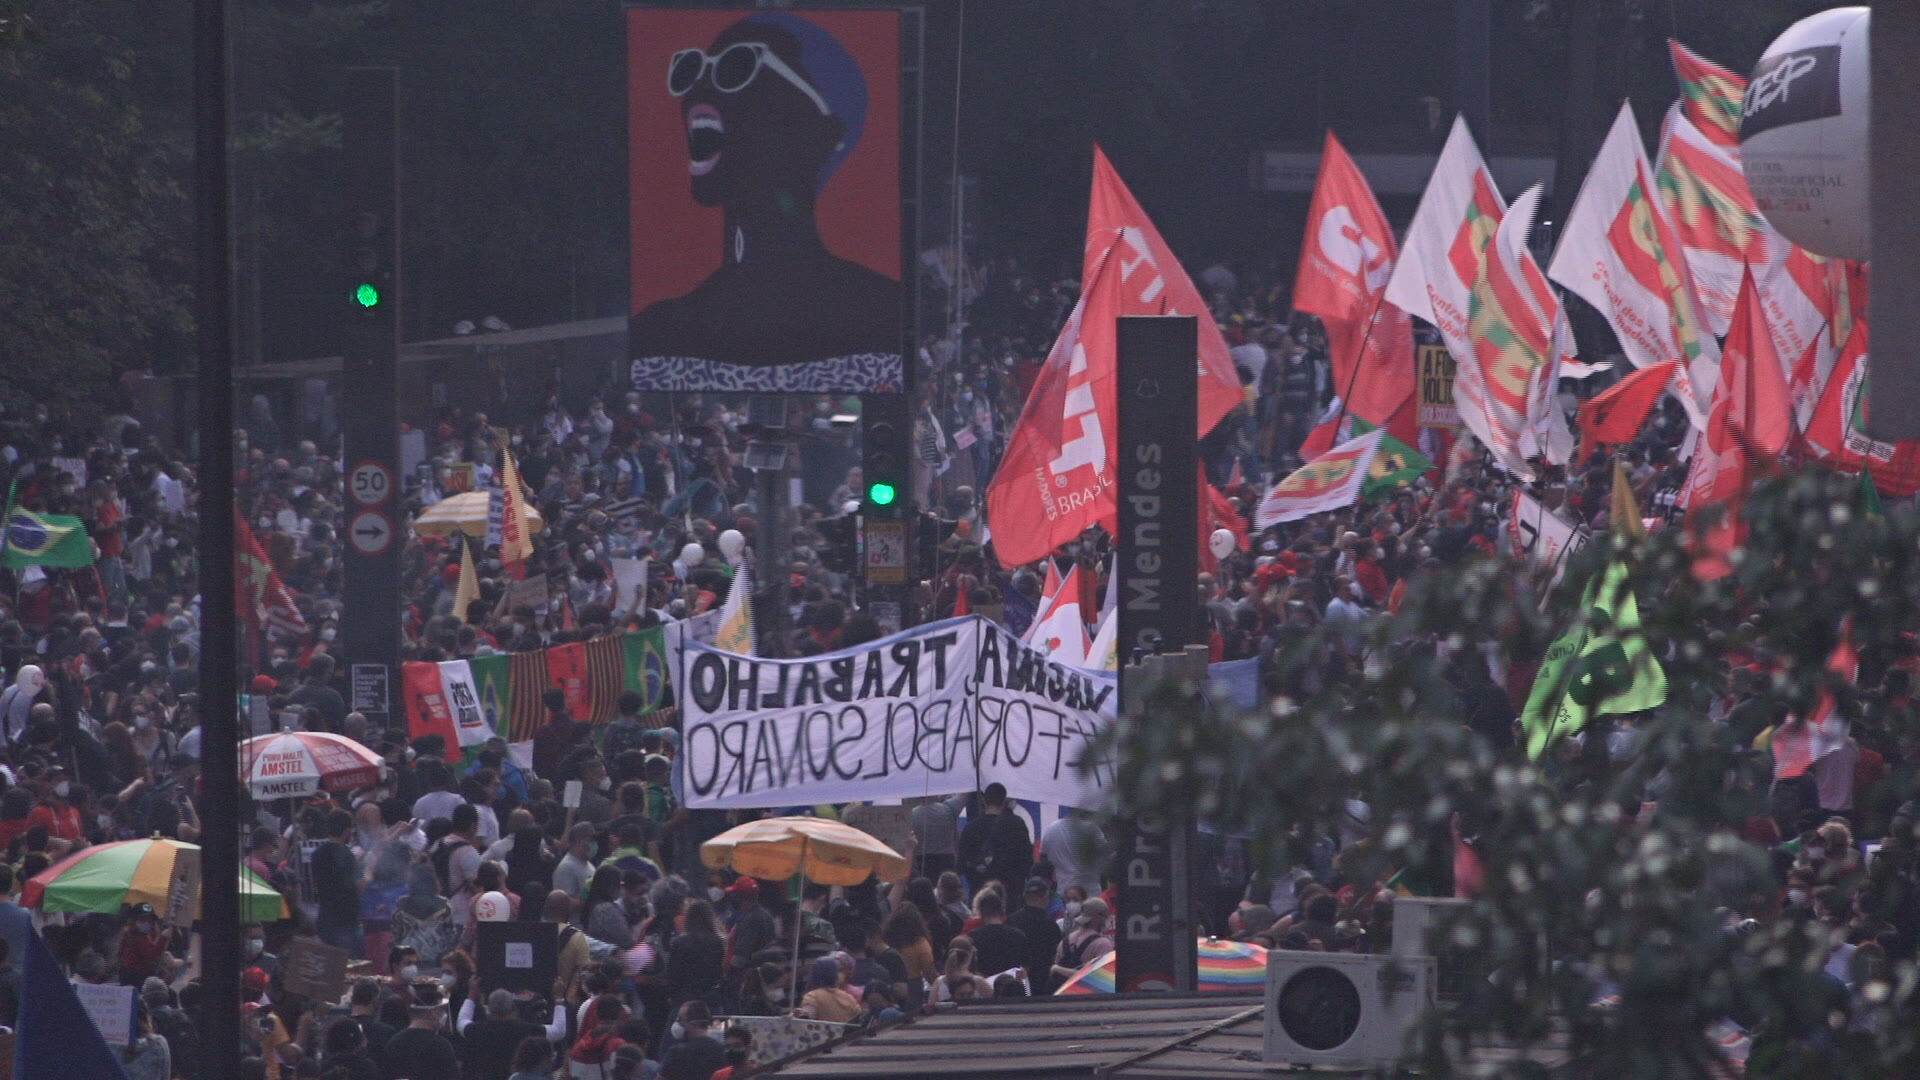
x: 1748, y: 426
x: 1345, y: 262
x: 962, y: 598
x: 1057, y: 477
x: 427, y: 710
x: 1797, y: 743
x: 1217, y: 512
x: 567, y: 672
x: 1615, y: 416
x: 259, y: 594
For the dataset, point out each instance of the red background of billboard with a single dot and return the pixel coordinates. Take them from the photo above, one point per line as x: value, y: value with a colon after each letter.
x: 675, y: 241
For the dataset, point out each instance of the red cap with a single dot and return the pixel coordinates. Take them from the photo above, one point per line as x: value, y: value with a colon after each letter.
x: 743, y: 885
x: 265, y: 684
x: 254, y: 979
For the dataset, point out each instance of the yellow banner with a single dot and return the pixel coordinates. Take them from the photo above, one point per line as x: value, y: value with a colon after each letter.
x: 1435, y: 371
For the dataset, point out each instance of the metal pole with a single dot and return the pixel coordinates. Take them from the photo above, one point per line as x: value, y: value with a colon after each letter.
x: 1894, y: 214
x: 219, y: 724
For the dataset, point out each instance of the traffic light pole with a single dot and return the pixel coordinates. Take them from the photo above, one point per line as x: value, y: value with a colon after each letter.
x: 219, y: 641
x: 369, y: 298
x: 887, y: 509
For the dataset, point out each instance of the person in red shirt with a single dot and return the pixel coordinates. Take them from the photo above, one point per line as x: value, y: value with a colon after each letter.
x: 60, y: 817
x: 143, y: 948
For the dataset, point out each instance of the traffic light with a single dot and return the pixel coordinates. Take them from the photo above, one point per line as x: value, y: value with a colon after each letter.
x: 885, y: 444
x: 370, y: 284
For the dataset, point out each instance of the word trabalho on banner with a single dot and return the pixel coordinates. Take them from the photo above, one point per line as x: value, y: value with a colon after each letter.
x: 935, y: 710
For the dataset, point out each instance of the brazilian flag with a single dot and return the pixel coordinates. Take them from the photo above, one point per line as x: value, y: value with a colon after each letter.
x: 35, y: 539
x: 1600, y: 667
x: 1394, y: 464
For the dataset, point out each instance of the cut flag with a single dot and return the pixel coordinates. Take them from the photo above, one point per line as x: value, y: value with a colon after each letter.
x: 1619, y: 253
x: 736, y: 616
x: 1800, y: 743
x: 1600, y: 667
x: 1747, y: 429
x: 1614, y: 415
x: 1056, y: 479
x: 36, y: 539
x: 1328, y: 482
x: 1345, y: 264
x: 260, y: 596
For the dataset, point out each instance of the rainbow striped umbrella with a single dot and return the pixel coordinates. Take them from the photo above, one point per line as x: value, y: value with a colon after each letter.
x: 1225, y: 967
x: 108, y: 877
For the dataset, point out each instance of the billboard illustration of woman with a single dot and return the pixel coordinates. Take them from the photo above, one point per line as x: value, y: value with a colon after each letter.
x: 765, y: 177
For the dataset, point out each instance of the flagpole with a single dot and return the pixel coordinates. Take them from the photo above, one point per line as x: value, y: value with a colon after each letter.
x: 1354, y: 375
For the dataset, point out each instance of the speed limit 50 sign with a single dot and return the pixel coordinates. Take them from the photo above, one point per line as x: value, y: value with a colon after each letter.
x: 370, y: 483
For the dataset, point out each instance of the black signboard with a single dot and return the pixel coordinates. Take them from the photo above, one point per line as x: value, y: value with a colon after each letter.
x: 1157, y: 478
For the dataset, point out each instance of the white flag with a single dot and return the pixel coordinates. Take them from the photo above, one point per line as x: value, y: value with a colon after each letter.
x: 1619, y: 252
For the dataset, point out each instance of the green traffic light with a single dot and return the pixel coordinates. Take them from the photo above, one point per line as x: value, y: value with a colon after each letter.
x: 367, y: 295
x: 881, y: 493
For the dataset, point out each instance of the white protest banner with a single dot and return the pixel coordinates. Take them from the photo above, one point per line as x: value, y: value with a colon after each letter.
x: 111, y: 1010
x: 701, y: 629
x: 629, y: 584
x: 934, y: 710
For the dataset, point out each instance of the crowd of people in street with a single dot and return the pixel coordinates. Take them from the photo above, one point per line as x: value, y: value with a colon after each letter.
x: 658, y: 954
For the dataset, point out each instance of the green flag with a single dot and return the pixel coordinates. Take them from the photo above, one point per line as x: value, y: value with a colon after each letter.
x: 1394, y: 464
x: 1600, y: 667
x: 35, y: 539
x: 1869, y: 495
x: 644, y: 663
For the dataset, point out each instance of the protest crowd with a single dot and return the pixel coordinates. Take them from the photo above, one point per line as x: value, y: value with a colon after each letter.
x: 584, y: 823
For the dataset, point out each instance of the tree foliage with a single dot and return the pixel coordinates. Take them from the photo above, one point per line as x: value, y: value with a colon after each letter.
x: 1600, y: 874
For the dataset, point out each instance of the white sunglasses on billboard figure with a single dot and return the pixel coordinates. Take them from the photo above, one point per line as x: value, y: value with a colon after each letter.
x: 732, y: 69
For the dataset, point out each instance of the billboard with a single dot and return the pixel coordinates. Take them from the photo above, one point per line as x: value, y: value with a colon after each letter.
x: 765, y: 188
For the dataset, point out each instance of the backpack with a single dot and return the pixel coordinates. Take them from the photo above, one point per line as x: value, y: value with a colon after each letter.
x: 442, y: 859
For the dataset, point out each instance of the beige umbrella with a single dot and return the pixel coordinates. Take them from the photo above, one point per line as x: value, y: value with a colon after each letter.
x: 465, y: 512
x: 828, y: 852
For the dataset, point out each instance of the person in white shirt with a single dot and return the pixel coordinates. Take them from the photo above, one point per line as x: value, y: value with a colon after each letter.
x: 1077, y: 849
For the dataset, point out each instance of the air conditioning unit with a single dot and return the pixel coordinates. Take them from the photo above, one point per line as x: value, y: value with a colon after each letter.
x: 1416, y: 921
x: 1345, y: 1009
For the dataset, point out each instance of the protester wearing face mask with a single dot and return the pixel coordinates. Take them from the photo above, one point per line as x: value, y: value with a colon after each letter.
x: 58, y: 813
x: 143, y: 948
x: 696, y: 1054
x: 253, y: 944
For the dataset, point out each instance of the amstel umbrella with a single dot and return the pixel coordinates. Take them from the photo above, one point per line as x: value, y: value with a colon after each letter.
x: 465, y: 512
x: 828, y: 852
x: 295, y: 764
x: 108, y: 877
x: 1225, y: 966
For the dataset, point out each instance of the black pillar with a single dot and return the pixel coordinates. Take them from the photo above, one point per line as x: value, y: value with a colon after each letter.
x: 219, y: 624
